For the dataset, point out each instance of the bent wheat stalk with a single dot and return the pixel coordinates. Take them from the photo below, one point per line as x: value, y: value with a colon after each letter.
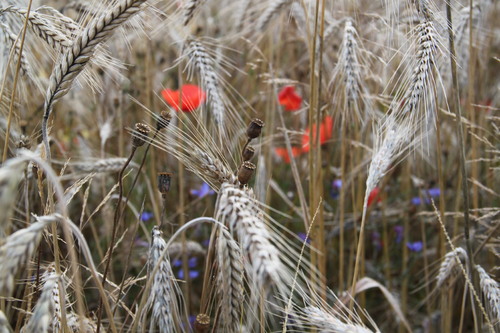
x: 77, y: 57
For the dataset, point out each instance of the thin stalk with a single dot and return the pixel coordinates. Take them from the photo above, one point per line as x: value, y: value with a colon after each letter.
x: 342, y: 199
x: 461, y: 143
x: 113, y: 234
x: 14, y: 89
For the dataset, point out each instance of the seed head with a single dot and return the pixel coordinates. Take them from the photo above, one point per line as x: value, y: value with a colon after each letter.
x: 163, y: 120
x: 138, y: 136
x: 246, y: 171
x: 248, y: 153
x: 164, y: 179
x: 255, y: 128
x: 202, y: 323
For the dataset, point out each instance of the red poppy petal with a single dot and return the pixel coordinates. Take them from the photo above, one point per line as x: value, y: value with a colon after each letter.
x: 192, y: 97
x: 171, y: 97
x: 283, y: 153
x: 289, y: 99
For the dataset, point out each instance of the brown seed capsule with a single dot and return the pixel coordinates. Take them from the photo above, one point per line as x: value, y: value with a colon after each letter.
x: 255, y: 128
x: 246, y: 172
x: 164, y: 179
x: 202, y: 323
x: 140, y: 134
x: 163, y: 120
x: 248, y: 153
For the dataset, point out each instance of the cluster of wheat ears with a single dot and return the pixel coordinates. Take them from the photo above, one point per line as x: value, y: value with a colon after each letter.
x: 365, y: 200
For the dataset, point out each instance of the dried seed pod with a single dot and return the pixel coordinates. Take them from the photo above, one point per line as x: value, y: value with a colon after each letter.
x: 202, y: 323
x: 248, y: 153
x: 255, y: 128
x: 245, y: 172
x: 164, y: 179
x: 139, y: 135
x: 163, y: 120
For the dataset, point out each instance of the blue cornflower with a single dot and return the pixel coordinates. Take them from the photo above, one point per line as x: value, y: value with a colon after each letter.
x: 203, y: 191
x: 415, y: 246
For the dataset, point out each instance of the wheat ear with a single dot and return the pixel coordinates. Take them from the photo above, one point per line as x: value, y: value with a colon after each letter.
x: 76, y: 323
x: 45, y: 307
x: 76, y: 58
x: 324, y: 321
x: 190, y: 9
x: 43, y: 28
x: 230, y: 281
x: 449, y: 265
x: 17, y: 249
x: 205, y: 66
x: 237, y: 209
x: 163, y: 297
x: 491, y: 292
x: 10, y: 38
x: 10, y: 176
x: 275, y: 7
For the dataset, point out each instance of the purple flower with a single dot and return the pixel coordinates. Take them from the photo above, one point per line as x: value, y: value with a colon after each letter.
x: 203, y: 191
x: 303, y: 236
x: 416, y: 201
x: 434, y: 192
x: 192, y: 262
x: 192, y: 274
x: 146, y: 216
x: 177, y: 263
x: 415, y: 246
x: 398, y: 229
x: 334, y: 191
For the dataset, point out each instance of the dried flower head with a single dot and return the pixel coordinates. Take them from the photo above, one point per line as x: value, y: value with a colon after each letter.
x: 164, y: 179
x: 255, y: 128
x: 245, y: 172
x: 163, y: 120
x: 248, y: 153
x: 202, y: 323
x: 139, y: 135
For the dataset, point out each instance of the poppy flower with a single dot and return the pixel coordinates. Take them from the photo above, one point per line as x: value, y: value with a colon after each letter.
x: 289, y: 99
x: 283, y: 153
x: 187, y: 99
x: 325, y: 133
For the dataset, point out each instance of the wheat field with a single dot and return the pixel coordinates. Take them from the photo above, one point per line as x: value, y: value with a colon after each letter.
x: 249, y: 166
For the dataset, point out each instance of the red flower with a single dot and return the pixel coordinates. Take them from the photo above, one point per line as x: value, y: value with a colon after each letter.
x: 283, y: 153
x: 374, y: 195
x: 187, y: 99
x: 325, y: 133
x: 290, y: 100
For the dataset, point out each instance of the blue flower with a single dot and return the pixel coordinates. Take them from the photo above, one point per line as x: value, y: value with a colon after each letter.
x: 335, y: 189
x: 415, y: 246
x: 416, y: 201
x: 192, y: 274
x: 303, y: 236
x: 192, y: 262
x: 434, y: 192
x: 146, y: 216
x: 203, y: 191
